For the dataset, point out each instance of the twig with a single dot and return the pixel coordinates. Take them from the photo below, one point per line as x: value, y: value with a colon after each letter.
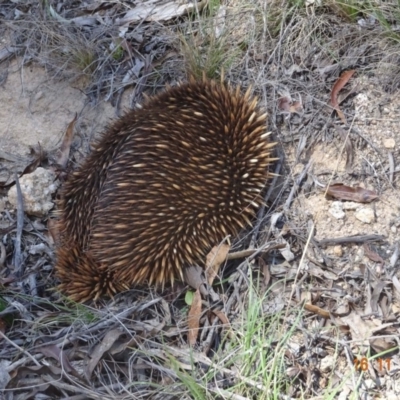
x: 349, y: 239
x: 3, y: 336
x: 296, y: 185
x: 20, y: 223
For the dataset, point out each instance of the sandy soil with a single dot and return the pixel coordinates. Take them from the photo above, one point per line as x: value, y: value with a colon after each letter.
x: 35, y: 109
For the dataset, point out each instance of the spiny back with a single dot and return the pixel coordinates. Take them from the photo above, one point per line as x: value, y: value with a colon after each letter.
x: 163, y: 185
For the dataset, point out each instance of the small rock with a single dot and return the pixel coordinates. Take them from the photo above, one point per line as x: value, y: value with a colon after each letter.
x: 393, y: 229
x: 389, y: 143
x: 327, y: 363
x: 338, y: 251
x: 336, y: 210
x: 36, y: 189
x: 365, y: 215
x: 298, y: 169
x: 39, y: 95
x: 350, y: 205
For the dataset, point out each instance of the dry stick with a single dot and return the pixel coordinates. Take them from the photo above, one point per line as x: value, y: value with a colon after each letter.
x: 391, y: 167
x: 349, y: 239
x: 296, y: 186
x: 20, y: 223
x: 250, y: 252
x: 4, y: 337
x: 2, y: 254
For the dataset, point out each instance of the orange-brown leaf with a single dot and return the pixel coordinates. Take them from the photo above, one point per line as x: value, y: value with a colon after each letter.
x: 337, y: 87
x: 66, y: 144
x: 222, y: 317
x: 194, y: 318
x: 372, y: 255
x: 317, y: 310
x: 214, y: 259
x: 357, y: 194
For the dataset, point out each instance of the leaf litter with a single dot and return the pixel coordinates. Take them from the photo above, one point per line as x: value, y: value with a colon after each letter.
x: 343, y: 272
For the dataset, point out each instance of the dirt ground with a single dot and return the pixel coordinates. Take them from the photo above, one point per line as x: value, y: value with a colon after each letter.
x: 36, y: 110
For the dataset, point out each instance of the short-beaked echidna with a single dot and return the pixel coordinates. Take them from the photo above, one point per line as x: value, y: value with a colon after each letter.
x: 164, y: 184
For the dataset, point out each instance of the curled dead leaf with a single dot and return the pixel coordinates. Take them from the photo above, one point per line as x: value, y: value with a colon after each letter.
x: 357, y: 194
x: 214, y: 259
x: 108, y: 341
x: 65, y: 147
x: 337, y: 87
x: 194, y: 318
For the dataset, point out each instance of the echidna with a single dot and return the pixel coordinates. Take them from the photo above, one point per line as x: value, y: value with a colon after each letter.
x: 164, y: 184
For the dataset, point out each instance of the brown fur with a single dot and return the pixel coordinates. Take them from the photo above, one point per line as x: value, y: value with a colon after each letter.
x: 163, y: 185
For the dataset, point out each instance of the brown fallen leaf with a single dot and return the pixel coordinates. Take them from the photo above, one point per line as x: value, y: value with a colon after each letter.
x: 194, y: 318
x: 109, y: 339
x: 222, y: 317
x: 284, y: 104
x: 287, y: 105
x: 317, y: 310
x: 55, y: 352
x: 372, y: 255
x: 357, y: 194
x: 337, y: 87
x: 63, y: 153
x: 214, y: 259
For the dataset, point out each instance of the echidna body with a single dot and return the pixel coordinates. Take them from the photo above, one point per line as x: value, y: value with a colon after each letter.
x: 162, y: 186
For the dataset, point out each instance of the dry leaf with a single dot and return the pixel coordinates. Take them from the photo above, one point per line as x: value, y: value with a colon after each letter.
x: 194, y: 318
x: 105, y: 345
x: 372, y: 255
x: 214, y: 259
x: 357, y: 194
x: 337, y: 87
x: 284, y: 104
x: 55, y: 352
x: 317, y: 310
x: 65, y: 147
x: 222, y: 317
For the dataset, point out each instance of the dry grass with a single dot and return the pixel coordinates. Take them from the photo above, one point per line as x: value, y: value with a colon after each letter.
x: 136, y: 345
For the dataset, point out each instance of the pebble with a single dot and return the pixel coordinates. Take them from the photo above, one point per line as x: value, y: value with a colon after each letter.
x: 389, y: 143
x: 338, y: 251
x: 336, y: 210
x: 327, y: 363
x: 37, y: 189
x: 350, y: 205
x: 365, y: 215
